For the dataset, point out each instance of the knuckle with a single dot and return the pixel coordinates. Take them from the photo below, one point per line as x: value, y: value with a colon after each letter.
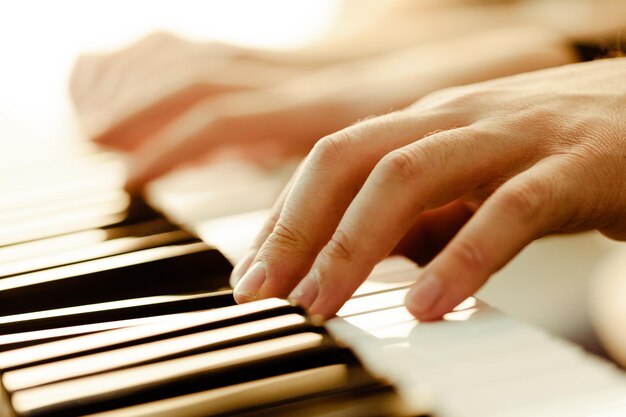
x: 463, y: 97
x: 469, y: 255
x: 287, y: 238
x: 340, y: 247
x: 158, y: 39
x: 402, y: 165
x: 332, y: 149
x: 526, y: 201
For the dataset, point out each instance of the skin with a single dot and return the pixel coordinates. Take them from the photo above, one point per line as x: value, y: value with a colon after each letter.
x: 167, y: 120
x: 167, y: 101
x: 463, y: 179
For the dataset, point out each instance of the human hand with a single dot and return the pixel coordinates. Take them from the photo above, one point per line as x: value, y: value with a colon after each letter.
x: 124, y: 98
x: 520, y: 157
x: 185, y: 119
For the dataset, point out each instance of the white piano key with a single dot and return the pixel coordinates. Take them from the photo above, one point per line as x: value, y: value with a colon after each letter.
x: 74, y: 390
x: 603, y: 401
x: 57, y: 244
x: 230, y: 399
x: 143, y: 327
x: 366, y: 303
x: 118, y: 261
x: 88, y: 252
x: 538, y: 386
x: 98, y: 362
x: 80, y: 330
x: 116, y: 199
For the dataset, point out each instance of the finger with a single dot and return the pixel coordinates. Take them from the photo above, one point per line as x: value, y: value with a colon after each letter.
x: 526, y: 207
x: 244, y: 264
x: 201, y: 129
x: 423, y: 175
x: 236, y: 119
x: 136, y: 129
x: 330, y: 178
x: 432, y: 231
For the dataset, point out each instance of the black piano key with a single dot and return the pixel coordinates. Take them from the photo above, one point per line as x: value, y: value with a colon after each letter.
x: 183, y: 324
x: 138, y: 210
x: 165, y: 349
x: 180, y: 376
x: 114, y: 311
x: 174, y: 269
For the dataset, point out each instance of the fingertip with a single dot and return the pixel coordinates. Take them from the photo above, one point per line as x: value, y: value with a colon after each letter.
x: 319, y: 294
x: 306, y: 292
x: 433, y: 296
x: 424, y: 296
x: 249, y: 286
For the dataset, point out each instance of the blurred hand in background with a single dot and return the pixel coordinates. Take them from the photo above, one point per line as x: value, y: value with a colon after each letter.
x: 167, y: 101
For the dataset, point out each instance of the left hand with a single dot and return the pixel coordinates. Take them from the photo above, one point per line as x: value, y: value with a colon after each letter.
x: 467, y: 176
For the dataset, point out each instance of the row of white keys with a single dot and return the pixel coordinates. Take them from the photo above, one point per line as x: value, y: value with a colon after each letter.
x: 478, y: 361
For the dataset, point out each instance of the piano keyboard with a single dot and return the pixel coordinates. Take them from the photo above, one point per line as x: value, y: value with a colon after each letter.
x: 109, y: 309
x: 179, y: 363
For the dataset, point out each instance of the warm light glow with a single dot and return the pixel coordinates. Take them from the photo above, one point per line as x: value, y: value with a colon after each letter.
x: 461, y: 315
x: 52, y: 245
x: 370, y: 303
x: 465, y: 304
x: 35, y: 35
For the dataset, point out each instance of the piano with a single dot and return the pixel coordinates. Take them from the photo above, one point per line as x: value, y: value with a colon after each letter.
x: 110, y: 308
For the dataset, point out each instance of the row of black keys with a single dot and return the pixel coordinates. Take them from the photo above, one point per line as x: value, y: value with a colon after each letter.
x: 260, y: 359
x: 133, y: 317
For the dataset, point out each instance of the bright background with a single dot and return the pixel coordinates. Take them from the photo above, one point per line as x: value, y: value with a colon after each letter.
x: 40, y: 40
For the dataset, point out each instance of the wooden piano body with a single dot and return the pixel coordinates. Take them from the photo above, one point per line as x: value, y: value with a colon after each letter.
x: 67, y: 240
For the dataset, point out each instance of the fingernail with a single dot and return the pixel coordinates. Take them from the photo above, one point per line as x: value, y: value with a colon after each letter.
x: 249, y: 285
x: 306, y: 291
x: 242, y: 266
x: 423, y: 296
